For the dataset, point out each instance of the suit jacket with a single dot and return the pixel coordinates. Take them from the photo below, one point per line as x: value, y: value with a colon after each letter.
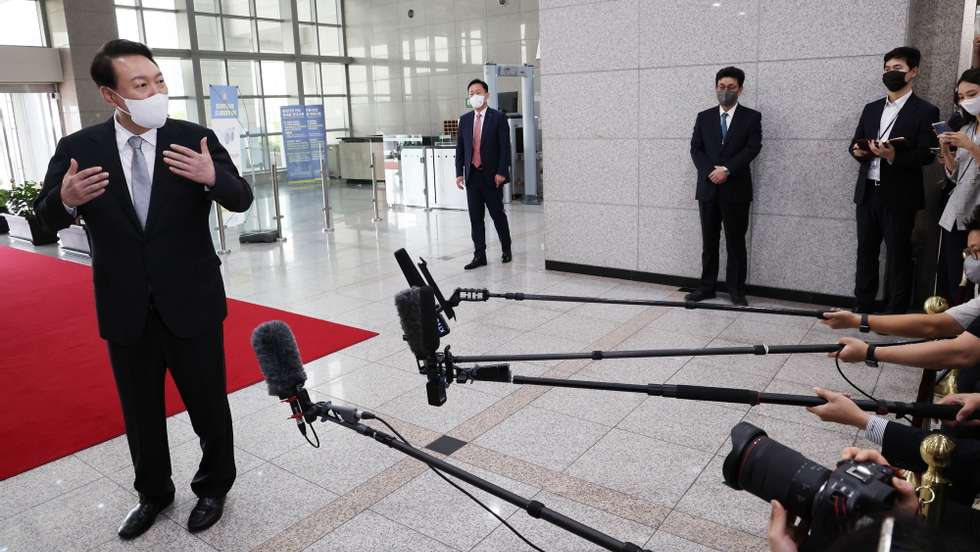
x: 173, y: 260
x: 742, y: 144
x: 901, y: 181
x: 900, y: 446
x: 494, y: 143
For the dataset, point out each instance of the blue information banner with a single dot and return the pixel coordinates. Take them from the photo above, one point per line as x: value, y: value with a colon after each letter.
x: 224, y: 101
x: 304, y: 140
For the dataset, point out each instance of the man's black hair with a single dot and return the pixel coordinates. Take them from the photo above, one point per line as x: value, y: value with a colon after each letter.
x: 733, y: 72
x: 486, y: 88
x: 102, y: 72
x: 911, y: 56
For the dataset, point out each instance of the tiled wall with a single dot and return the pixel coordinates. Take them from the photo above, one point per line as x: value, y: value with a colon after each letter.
x: 411, y: 74
x: 622, y: 83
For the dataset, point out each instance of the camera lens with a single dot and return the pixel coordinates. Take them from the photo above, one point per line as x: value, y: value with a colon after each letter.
x: 771, y: 470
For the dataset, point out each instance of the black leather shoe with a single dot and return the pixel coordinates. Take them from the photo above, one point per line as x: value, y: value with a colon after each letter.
x: 699, y: 295
x: 739, y: 301
x: 507, y: 257
x: 140, y: 519
x: 207, y: 512
x: 477, y: 262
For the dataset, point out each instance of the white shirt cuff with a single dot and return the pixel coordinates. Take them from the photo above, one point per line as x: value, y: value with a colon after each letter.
x: 875, y: 430
x: 71, y: 210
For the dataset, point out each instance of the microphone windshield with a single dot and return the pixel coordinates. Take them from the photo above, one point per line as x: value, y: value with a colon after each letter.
x: 417, y: 314
x: 275, y: 347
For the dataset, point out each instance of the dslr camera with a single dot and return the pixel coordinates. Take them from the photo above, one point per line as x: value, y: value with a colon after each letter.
x: 830, y: 503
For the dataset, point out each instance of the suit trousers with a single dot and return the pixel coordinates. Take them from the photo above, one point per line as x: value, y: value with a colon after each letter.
x: 734, y: 217
x: 197, y: 365
x: 482, y: 193
x: 877, y: 221
x: 949, y: 273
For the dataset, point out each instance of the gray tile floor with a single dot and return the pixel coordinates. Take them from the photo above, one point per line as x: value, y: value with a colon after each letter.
x: 643, y: 469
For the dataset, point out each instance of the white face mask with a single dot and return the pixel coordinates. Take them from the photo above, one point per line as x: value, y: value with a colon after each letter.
x: 476, y: 101
x: 149, y: 112
x: 971, y: 105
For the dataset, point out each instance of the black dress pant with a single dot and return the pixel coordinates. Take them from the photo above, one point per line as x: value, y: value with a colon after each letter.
x: 734, y: 217
x: 198, y: 368
x: 483, y: 193
x: 950, y: 269
x: 877, y: 221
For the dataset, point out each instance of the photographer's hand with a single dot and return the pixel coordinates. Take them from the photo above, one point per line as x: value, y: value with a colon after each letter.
x: 784, y: 535
x: 907, y: 502
x: 840, y: 409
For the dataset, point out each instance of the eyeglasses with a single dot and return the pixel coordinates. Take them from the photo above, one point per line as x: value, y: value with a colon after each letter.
x: 969, y: 252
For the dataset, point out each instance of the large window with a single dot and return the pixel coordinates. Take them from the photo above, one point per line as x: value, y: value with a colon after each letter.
x: 29, y: 130
x: 273, y: 56
x: 21, y: 23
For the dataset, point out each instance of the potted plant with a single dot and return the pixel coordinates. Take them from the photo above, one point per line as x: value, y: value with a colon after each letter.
x: 23, y: 223
x: 3, y: 209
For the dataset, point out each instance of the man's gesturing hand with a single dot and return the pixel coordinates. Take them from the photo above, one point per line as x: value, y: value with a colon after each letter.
x: 80, y: 187
x: 194, y: 166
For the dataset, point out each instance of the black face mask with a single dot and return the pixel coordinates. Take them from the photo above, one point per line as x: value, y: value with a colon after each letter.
x: 894, y: 80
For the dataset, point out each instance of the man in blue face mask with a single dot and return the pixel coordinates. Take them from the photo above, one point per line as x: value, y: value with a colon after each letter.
x: 145, y: 184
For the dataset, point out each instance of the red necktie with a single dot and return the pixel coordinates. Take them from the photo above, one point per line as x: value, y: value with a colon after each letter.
x: 477, y: 132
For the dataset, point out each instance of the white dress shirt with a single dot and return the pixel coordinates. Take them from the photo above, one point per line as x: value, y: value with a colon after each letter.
x: 888, y: 117
x: 148, y: 149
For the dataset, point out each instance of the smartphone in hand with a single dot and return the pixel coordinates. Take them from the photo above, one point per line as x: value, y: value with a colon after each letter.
x: 941, y: 127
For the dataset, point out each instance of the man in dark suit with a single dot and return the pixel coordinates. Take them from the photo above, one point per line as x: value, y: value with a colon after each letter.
x: 889, y: 183
x: 725, y: 141
x: 483, y: 165
x: 144, y: 185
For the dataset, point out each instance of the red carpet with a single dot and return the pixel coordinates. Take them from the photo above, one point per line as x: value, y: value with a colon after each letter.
x: 57, y: 394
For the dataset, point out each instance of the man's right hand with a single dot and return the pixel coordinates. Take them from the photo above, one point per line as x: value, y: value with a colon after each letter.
x: 841, y: 319
x: 459, y: 182
x: 860, y: 153
x: 839, y: 409
x: 80, y: 187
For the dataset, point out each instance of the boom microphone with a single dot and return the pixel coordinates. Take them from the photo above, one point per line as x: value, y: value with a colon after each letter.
x: 281, y: 366
x: 418, y: 317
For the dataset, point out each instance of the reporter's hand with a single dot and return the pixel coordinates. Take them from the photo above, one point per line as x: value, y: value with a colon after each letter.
x: 783, y: 535
x: 854, y: 350
x: 840, y: 409
x: 859, y: 153
x: 841, y: 319
x: 969, y: 401
x: 459, y: 182
x: 882, y: 149
x: 499, y: 180
x: 78, y: 187
x: 958, y: 139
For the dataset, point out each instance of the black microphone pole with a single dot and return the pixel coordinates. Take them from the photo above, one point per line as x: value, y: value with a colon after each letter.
x: 652, y: 353
x: 482, y: 295
x: 749, y: 396
x: 534, y: 508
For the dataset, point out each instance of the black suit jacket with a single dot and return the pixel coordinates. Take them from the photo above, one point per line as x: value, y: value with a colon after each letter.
x: 900, y: 446
x: 173, y: 259
x: 742, y: 144
x: 494, y: 143
x: 901, y: 181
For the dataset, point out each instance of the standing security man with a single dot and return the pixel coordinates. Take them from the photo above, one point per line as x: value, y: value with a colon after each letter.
x: 891, y: 142
x: 726, y: 139
x: 483, y: 164
x: 144, y: 184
